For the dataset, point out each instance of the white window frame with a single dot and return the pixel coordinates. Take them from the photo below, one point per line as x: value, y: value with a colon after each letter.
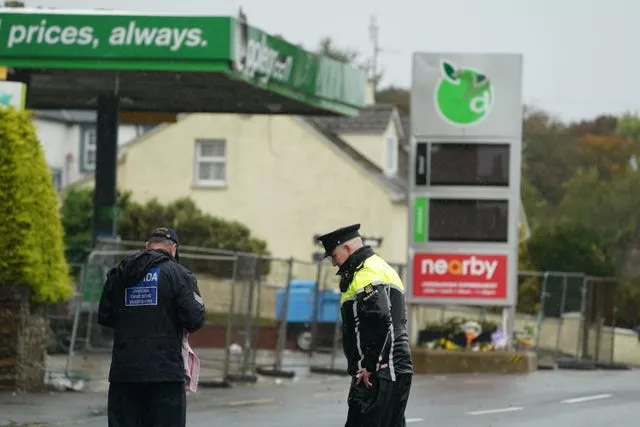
x: 89, y: 143
x: 198, y: 159
x: 390, y: 147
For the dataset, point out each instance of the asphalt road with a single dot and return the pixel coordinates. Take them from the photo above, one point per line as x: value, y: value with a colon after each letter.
x: 544, y: 398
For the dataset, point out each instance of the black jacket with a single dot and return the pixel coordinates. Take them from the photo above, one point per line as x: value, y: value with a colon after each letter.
x: 149, y: 299
x: 374, y: 316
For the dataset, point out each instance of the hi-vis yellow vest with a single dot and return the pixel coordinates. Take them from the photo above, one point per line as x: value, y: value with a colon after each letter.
x: 374, y: 272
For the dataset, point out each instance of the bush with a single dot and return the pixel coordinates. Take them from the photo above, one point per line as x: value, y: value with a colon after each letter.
x: 77, y: 220
x: 570, y: 247
x: 31, y: 245
x: 195, y: 228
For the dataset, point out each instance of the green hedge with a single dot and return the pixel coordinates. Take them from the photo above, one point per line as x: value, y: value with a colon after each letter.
x: 31, y: 234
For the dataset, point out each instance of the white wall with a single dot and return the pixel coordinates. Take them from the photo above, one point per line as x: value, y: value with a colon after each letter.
x: 61, y: 145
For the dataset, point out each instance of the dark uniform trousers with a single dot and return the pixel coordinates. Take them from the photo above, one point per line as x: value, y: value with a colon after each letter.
x: 147, y: 404
x: 382, y: 405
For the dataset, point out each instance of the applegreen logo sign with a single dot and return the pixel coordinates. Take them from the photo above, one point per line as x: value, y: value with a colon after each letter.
x: 463, y: 96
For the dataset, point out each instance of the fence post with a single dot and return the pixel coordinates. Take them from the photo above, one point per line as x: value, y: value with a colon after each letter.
x: 316, y: 300
x: 231, y: 314
x: 87, y: 342
x: 282, y: 333
x: 583, y: 331
x: 543, y: 296
x: 563, y: 302
x: 336, y: 332
x: 599, y: 321
x: 255, y: 331
x: 76, y: 316
x: 248, y: 318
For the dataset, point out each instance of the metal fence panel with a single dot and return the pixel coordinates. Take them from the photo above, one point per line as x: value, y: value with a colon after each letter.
x: 267, y: 315
x: 598, y: 320
x: 227, y: 309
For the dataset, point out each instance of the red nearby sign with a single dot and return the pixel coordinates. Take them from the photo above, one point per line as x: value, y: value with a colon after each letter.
x: 462, y: 276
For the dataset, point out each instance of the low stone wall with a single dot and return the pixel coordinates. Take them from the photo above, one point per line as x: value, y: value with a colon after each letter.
x: 469, y: 362
x: 214, y: 336
x: 23, y: 341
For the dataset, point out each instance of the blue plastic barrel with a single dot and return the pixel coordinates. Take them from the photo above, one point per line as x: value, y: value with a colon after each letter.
x: 300, y: 306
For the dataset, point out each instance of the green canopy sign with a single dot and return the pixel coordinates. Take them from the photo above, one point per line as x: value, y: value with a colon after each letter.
x: 102, y: 40
x: 114, y: 37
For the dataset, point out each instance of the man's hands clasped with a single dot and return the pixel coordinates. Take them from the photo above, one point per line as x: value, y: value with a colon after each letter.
x: 365, y: 376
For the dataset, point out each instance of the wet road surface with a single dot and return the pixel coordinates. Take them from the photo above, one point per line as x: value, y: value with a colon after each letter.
x: 543, y: 398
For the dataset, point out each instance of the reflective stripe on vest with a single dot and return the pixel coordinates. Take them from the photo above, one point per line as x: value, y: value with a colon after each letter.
x: 375, y: 271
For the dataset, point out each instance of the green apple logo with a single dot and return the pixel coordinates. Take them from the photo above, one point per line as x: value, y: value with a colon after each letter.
x: 463, y: 97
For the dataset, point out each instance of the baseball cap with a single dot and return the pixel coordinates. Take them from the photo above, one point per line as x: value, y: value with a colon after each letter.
x: 167, y: 233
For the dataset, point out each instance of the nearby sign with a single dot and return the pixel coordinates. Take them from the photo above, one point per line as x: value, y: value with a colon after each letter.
x: 466, y: 125
x: 459, y: 276
x: 12, y: 94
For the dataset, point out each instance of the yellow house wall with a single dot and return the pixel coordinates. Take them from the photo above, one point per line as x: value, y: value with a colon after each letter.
x: 283, y: 181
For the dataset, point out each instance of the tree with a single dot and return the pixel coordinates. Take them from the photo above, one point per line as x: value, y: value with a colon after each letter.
x: 195, y: 228
x: 77, y: 220
x: 32, y: 243
x: 569, y: 247
x: 548, y: 155
x: 536, y: 208
x: 528, y: 286
x: 629, y: 127
x: 601, y: 125
x: 610, y: 154
x: 609, y: 208
x: 329, y: 49
x: 396, y: 96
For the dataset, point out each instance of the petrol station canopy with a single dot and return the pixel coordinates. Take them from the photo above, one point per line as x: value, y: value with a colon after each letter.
x: 162, y: 63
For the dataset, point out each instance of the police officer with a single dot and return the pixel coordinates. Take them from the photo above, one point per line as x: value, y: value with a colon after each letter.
x: 375, y: 338
x: 149, y: 299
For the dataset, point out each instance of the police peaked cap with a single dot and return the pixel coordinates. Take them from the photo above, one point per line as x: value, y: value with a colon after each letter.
x: 334, y: 238
x: 169, y: 234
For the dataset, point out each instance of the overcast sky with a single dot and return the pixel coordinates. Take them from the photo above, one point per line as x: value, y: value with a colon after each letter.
x: 580, y: 56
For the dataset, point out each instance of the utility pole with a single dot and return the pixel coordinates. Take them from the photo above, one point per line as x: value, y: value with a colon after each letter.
x: 373, y: 36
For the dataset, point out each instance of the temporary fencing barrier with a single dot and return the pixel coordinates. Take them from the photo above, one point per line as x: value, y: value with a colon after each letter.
x: 276, y: 316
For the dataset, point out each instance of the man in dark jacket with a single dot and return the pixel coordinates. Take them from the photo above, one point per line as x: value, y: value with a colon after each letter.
x: 149, y: 299
x: 375, y: 337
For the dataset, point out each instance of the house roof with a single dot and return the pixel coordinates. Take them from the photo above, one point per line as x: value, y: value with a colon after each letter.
x: 66, y: 116
x: 397, y: 185
x: 372, y: 119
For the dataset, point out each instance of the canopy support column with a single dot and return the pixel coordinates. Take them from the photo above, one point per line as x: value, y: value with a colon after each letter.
x: 104, y: 199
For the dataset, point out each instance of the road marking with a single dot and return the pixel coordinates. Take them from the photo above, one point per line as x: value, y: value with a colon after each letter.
x: 72, y: 422
x: 250, y: 402
x: 587, y: 398
x: 414, y: 420
x: 475, y: 381
x: 327, y: 393
x: 496, y: 411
